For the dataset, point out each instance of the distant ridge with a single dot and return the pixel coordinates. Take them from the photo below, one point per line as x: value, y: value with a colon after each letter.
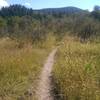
x: 19, y: 10
x: 63, y: 10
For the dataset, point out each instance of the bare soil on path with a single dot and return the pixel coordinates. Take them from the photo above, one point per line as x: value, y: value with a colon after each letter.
x: 45, y: 87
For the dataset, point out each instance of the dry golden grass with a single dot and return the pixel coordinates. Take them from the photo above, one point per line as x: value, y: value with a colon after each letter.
x: 77, y: 70
x: 19, y: 68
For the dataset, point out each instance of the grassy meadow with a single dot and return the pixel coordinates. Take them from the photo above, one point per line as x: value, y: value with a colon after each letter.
x: 27, y: 36
x: 20, y: 65
x: 76, y: 72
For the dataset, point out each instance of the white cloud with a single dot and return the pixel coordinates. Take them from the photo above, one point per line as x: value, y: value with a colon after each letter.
x: 27, y: 4
x: 3, y: 3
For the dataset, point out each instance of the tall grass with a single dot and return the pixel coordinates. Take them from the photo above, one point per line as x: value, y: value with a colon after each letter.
x: 19, y: 68
x: 77, y: 71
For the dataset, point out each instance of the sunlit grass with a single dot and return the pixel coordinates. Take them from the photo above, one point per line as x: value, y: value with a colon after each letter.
x: 77, y: 71
x: 19, y: 68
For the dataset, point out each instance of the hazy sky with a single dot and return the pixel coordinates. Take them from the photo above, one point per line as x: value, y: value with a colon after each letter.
x: 38, y: 4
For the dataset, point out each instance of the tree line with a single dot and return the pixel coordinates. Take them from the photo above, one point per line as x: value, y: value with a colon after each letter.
x: 18, y: 21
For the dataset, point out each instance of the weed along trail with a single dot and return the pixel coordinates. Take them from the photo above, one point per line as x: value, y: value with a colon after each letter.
x: 44, y: 87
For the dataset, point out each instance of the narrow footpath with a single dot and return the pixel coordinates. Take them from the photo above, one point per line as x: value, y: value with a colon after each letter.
x: 44, y: 86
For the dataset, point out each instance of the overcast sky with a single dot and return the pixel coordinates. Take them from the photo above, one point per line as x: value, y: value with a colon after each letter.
x: 38, y: 4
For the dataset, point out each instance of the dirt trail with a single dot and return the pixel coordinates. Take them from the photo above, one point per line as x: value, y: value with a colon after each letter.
x: 44, y: 87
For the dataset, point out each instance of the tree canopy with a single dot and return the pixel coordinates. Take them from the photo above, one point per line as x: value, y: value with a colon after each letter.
x: 18, y: 21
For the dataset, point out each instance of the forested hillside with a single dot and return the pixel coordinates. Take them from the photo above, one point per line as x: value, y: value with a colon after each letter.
x: 17, y: 21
